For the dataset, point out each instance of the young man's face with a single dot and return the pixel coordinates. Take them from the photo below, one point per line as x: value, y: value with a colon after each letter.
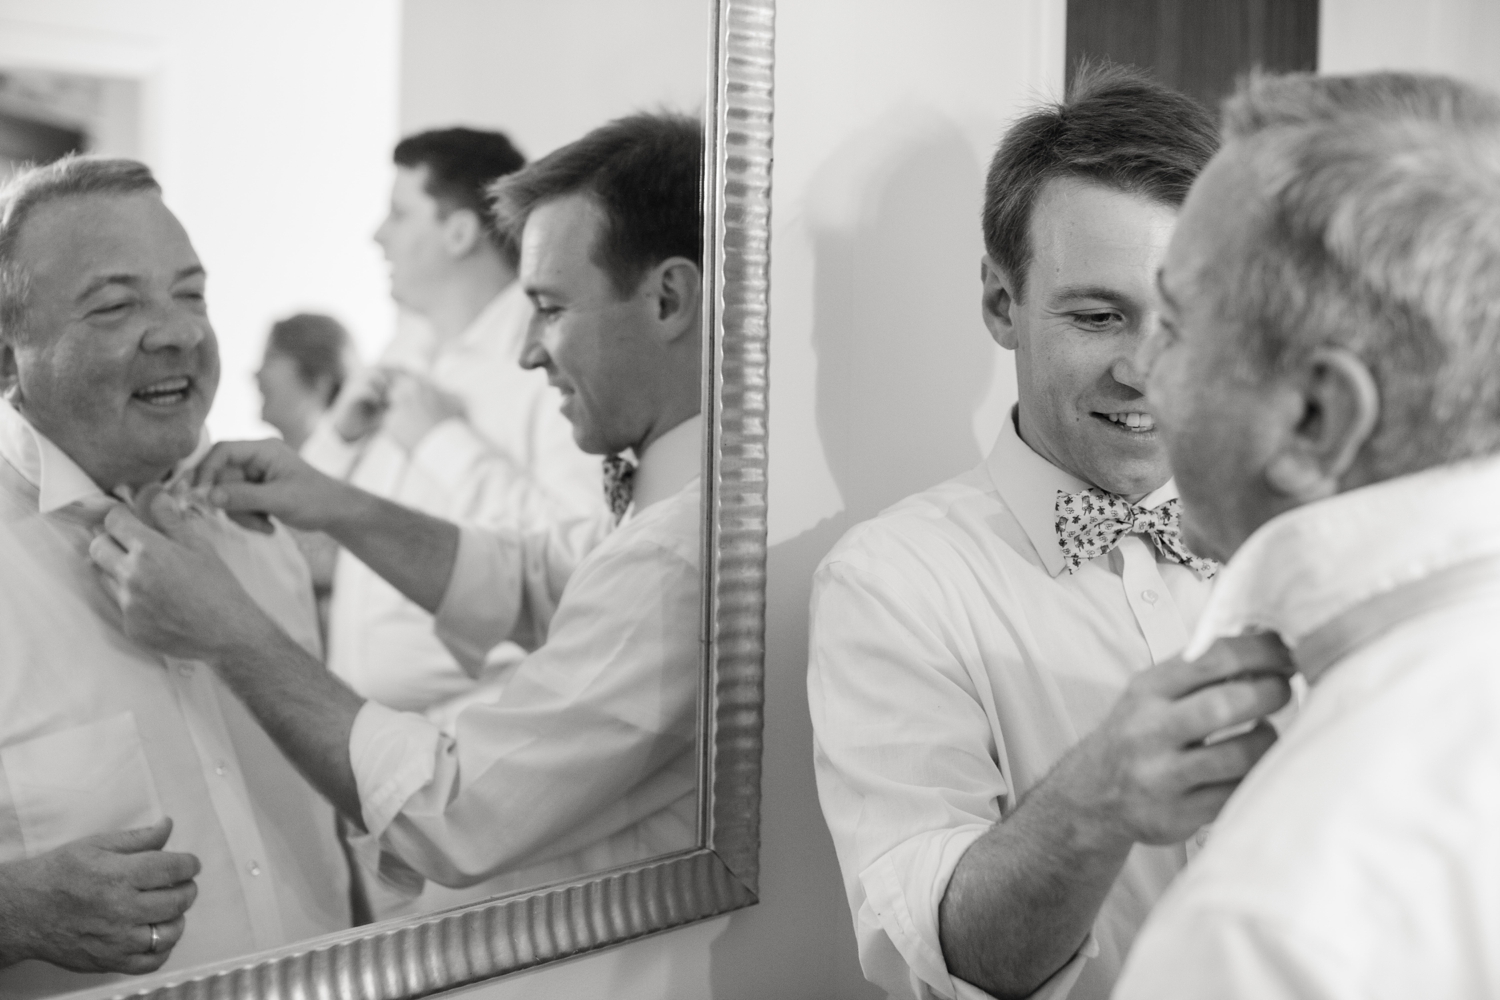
x: 411, y: 236
x: 1089, y: 299
x: 596, y: 346
x: 118, y: 364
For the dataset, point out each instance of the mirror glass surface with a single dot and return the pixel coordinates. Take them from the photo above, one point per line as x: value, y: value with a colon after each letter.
x: 271, y: 128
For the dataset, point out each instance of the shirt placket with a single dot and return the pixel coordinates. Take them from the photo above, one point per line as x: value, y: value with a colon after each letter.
x: 199, y: 703
x: 1150, y: 599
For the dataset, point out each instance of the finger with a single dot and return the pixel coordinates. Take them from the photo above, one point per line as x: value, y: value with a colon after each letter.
x: 170, y: 520
x: 161, y: 869
x: 140, y: 957
x: 236, y: 460
x: 108, y: 555
x: 1228, y: 760
x: 259, y: 523
x: 1257, y: 653
x: 251, y: 498
x: 157, y: 906
x: 1228, y: 703
x: 127, y: 529
x: 134, y: 841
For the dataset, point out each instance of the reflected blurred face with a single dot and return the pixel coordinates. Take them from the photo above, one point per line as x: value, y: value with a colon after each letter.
x: 595, y: 346
x: 412, y: 239
x: 119, y: 364
x: 1089, y: 299
x: 286, y: 400
x: 1211, y: 407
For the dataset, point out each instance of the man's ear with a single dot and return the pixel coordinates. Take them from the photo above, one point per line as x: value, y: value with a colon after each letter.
x: 997, y: 303
x: 462, y: 232
x: 9, y: 371
x: 674, y: 289
x: 1340, y: 406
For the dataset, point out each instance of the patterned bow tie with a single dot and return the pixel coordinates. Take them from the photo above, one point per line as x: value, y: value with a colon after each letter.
x: 619, y: 484
x: 1091, y: 523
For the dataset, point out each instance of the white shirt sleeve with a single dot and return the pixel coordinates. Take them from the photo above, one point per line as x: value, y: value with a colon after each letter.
x: 909, y: 774
x: 569, y: 754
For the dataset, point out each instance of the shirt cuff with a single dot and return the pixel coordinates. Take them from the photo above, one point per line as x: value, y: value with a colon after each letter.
x: 393, y: 755
x: 330, y: 454
x: 449, y: 451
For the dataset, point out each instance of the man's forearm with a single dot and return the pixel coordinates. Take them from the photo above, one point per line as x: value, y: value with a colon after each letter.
x: 1024, y: 897
x: 412, y: 551
x: 306, y: 710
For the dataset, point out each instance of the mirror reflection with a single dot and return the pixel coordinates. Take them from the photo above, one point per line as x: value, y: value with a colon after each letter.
x: 441, y: 640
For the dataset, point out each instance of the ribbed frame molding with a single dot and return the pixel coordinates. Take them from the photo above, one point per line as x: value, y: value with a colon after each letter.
x: 420, y: 956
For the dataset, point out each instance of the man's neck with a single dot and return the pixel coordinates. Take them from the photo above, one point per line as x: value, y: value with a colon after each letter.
x: 463, y: 298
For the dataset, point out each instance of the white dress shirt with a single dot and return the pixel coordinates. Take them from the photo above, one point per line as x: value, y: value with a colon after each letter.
x: 99, y: 735
x: 1361, y: 856
x: 952, y: 663
x: 512, y: 462
x: 586, y: 759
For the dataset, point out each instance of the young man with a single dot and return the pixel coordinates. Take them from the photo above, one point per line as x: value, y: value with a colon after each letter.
x: 448, y: 423
x: 1327, y: 377
x: 126, y: 774
x: 585, y: 759
x: 1006, y: 743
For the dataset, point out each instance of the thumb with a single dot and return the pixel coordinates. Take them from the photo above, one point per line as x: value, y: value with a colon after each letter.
x: 144, y: 838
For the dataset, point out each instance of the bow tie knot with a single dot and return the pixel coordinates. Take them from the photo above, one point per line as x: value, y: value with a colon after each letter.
x: 1092, y: 522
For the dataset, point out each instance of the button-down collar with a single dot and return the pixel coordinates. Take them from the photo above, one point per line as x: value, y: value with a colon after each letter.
x: 1028, y: 484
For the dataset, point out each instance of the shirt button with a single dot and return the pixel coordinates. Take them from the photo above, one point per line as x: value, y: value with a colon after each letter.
x: 185, y: 669
x: 1149, y: 596
x: 219, y: 769
x: 254, y: 868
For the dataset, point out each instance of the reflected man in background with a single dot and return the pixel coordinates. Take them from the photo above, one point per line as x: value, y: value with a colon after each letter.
x: 127, y: 773
x: 586, y: 758
x: 448, y: 423
x: 1327, y: 377
x: 1006, y: 739
x: 308, y: 358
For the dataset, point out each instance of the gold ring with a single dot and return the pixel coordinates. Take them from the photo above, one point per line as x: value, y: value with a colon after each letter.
x: 155, y: 940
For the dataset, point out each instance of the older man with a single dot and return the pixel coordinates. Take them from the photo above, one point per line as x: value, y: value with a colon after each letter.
x: 112, y: 753
x: 585, y: 760
x: 1008, y: 747
x: 1327, y: 378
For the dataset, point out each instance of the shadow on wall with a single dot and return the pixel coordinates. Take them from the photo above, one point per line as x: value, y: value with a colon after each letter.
x: 903, y: 363
x: 903, y: 358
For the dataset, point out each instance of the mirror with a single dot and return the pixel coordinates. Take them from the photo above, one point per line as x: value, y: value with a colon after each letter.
x: 251, y: 154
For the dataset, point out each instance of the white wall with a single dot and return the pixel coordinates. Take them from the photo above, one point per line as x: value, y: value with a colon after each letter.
x: 1456, y: 37
x: 270, y: 126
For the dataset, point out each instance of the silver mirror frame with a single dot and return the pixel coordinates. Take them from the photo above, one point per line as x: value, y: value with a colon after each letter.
x: 418, y: 956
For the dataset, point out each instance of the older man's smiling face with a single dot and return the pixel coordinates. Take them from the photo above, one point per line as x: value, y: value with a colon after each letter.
x: 117, y: 364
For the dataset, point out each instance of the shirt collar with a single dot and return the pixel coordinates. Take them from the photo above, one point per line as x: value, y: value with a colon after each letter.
x: 669, y: 463
x: 1303, y: 568
x: 58, y: 479
x: 1028, y: 484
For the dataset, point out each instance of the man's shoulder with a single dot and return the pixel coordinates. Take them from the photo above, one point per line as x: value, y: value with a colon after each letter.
x: 963, y: 519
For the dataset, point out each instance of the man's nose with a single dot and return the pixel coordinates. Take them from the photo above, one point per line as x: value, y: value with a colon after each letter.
x: 177, y: 328
x: 1126, y: 371
x: 533, y: 354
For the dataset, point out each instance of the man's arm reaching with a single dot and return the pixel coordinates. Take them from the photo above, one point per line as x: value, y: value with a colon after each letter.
x: 1024, y: 896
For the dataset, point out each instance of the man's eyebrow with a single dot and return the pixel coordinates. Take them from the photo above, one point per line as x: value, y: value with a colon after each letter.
x: 1103, y: 293
x: 134, y: 280
x: 191, y: 271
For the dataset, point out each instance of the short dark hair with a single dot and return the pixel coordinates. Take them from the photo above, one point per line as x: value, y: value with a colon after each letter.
x: 69, y: 177
x: 317, y: 344
x: 644, y: 171
x: 1118, y: 128
x: 461, y: 164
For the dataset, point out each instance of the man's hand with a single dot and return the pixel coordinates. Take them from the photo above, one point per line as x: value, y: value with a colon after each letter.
x: 1145, y: 775
x: 416, y: 406
x: 361, y: 404
x: 90, y: 905
x: 176, y: 595
x: 261, y: 478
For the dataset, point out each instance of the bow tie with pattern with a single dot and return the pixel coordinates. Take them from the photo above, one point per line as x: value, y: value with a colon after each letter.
x: 1091, y: 523
x: 619, y: 484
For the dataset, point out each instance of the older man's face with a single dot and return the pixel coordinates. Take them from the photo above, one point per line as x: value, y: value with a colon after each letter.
x: 118, y: 365
x: 1213, y: 410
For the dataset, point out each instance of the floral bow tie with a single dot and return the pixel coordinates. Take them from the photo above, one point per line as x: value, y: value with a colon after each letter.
x: 1091, y: 523
x: 619, y: 484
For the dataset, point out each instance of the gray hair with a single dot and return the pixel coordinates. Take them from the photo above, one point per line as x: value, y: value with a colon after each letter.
x: 70, y: 177
x: 1378, y: 231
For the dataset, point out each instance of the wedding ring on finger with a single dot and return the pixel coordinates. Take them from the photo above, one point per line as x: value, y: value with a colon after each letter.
x: 155, y: 940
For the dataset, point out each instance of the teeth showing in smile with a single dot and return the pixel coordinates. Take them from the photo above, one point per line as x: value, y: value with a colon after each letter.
x: 167, y: 392
x: 1134, y: 421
